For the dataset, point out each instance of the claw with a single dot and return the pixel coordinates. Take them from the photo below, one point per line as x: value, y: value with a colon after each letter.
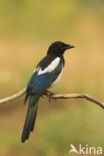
x: 51, y: 94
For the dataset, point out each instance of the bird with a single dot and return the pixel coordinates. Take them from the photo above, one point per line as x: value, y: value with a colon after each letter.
x: 46, y: 74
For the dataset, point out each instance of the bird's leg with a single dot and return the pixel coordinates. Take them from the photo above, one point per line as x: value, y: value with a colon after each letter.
x: 50, y: 94
x: 43, y: 96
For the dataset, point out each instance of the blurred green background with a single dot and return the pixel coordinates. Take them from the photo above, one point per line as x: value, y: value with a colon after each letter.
x: 27, y: 28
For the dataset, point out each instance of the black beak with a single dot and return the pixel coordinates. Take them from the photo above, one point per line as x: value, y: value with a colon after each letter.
x: 68, y: 46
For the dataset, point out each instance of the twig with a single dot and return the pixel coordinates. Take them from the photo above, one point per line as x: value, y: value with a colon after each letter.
x: 55, y: 96
x: 74, y: 95
x: 15, y: 96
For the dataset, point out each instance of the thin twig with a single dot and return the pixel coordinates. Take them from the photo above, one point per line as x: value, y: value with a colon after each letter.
x: 75, y: 95
x: 15, y: 96
x: 55, y: 96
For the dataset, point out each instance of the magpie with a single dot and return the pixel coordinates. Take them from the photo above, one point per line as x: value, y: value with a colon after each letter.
x: 46, y: 74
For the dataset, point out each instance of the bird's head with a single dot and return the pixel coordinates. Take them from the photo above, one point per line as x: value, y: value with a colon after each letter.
x: 58, y: 48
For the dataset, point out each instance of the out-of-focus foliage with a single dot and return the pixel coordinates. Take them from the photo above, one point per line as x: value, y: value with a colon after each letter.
x: 27, y: 28
x: 45, y: 19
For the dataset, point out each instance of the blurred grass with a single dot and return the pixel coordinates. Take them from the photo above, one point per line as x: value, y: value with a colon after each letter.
x: 26, y: 30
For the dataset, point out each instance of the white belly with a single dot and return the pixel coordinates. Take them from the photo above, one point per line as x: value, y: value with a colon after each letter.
x: 57, y: 80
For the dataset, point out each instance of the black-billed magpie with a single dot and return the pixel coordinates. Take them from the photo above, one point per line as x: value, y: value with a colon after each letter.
x: 47, y: 74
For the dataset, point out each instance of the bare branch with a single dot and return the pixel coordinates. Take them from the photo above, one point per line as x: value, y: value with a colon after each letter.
x: 74, y: 95
x: 55, y: 96
x: 15, y: 96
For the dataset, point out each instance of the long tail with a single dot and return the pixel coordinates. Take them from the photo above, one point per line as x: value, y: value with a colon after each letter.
x: 30, y: 118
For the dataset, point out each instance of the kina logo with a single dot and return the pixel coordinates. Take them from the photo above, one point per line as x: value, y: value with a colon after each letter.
x: 83, y: 150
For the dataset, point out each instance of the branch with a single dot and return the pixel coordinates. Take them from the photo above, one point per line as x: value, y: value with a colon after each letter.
x: 15, y: 96
x: 55, y: 96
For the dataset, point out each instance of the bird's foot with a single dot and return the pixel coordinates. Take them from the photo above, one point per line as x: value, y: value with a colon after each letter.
x: 50, y: 94
x: 43, y: 96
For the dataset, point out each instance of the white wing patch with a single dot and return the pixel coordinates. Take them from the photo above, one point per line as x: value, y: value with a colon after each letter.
x: 49, y: 68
